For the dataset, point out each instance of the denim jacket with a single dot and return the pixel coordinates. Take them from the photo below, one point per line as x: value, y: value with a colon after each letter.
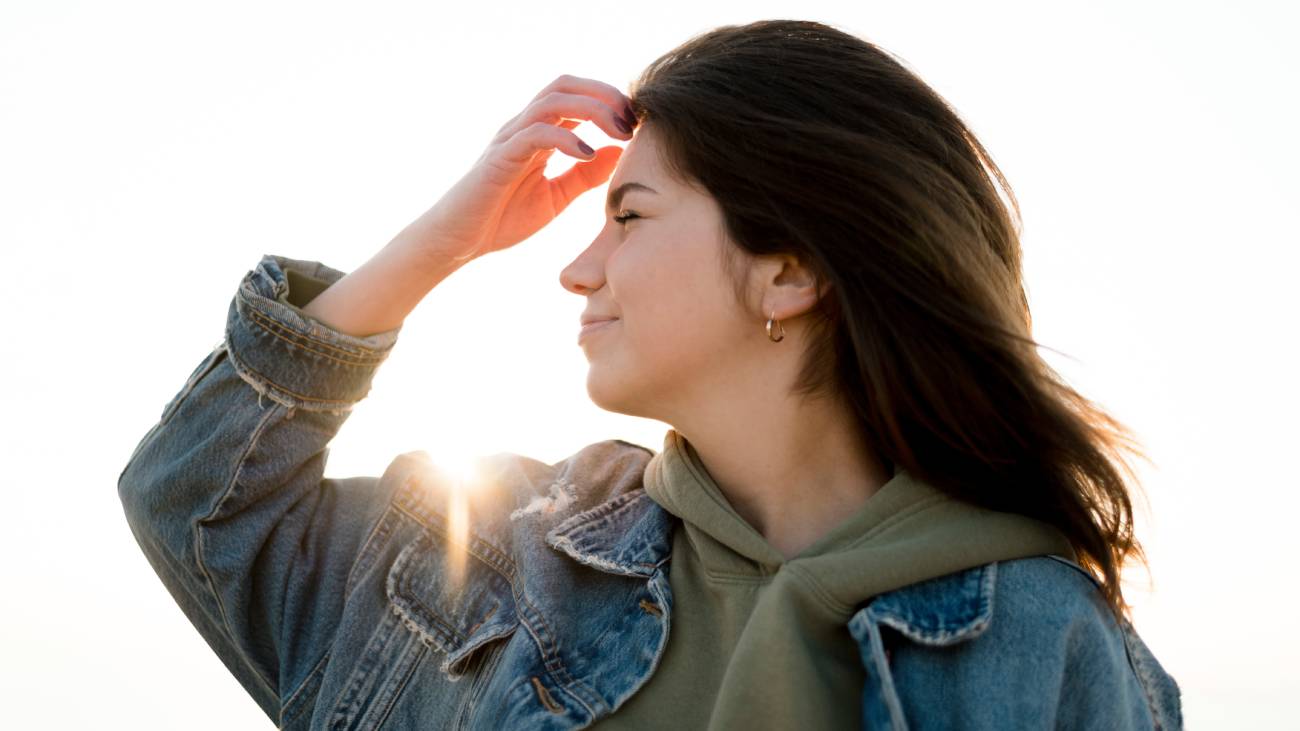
x: 355, y: 604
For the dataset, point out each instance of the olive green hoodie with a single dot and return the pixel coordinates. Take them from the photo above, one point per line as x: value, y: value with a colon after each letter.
x: 757, y: 641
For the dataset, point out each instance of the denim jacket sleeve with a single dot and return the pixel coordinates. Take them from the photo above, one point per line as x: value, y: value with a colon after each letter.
x: 226, y: 495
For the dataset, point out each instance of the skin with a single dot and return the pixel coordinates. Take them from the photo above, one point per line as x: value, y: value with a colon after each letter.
x: 682, y: 350
x: 685, y: 352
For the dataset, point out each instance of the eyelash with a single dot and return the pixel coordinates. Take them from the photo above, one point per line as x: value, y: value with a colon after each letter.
x: 624, y: 218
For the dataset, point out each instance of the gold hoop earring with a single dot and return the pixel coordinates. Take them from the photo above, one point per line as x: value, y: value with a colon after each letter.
x: 772, y: 319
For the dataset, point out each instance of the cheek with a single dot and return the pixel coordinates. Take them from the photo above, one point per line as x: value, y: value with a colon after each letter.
x: 674, y: 316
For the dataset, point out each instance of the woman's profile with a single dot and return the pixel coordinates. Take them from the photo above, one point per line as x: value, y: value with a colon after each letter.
x: 877, y: 506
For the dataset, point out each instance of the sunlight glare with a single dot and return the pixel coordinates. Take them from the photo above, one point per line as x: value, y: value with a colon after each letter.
x: 464, y: 478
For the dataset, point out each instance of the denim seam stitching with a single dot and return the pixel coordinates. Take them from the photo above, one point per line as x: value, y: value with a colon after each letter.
x: 579, y: 521
x: 363, y: 670
x: 495, y: 562
x: 441, y: 621
x: 382, y: 526
x: 488, y: 664
x: 551, y: 659
x: 1140, y: 671
x: 198, y: 549
x: 207, y: 366
x: 576, y: 528
x: 267, y: 382
x: 402, y: 589
x: 887, y: 688
x: 309, y: 343
x: 406, y: 501
x: 966, y: 631
x: 391, y: 702
x: 293, y: 697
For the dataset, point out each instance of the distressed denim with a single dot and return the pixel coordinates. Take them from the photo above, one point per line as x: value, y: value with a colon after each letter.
x: 352, y: 604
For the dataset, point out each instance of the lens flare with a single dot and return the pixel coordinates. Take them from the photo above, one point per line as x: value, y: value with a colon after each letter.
x: 464, y: 478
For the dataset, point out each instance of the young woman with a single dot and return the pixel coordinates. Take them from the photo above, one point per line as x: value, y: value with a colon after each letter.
x: 877, y: 506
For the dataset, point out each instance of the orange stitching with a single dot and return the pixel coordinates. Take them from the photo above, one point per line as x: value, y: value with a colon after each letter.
x: 545, y: 695
x: 268, y: 325
x: 651, y: 607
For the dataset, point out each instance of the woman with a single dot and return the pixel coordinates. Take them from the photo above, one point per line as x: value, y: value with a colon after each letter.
x: 876, y: 507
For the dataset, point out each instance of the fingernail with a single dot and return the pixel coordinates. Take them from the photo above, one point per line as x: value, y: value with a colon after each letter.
x: 629, y: 115
x: 586, y: 149
x: 622, y: 125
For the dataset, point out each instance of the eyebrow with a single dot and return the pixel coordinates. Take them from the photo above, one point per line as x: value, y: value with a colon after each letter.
x: 615, y: 197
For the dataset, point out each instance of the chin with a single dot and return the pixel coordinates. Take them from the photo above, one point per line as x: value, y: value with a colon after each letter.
x: 610, y: 392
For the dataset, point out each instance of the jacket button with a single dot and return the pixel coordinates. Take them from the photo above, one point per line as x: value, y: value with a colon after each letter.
x: 651, y: 608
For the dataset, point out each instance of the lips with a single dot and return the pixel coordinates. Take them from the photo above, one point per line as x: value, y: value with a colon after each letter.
x: 593, y: 325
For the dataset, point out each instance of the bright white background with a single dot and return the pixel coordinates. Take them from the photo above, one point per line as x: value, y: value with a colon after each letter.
x: 150, y: 153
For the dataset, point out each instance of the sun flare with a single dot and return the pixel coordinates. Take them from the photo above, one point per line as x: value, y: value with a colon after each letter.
x: 464, y: 480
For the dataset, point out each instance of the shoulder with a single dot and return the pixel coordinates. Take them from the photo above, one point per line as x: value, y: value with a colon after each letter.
x: 1033, y: 635
x: 507, y: 487
x: 1047, y: 591
x: 1046, y: 595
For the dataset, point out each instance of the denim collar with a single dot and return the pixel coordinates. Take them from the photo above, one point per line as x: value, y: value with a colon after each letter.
x: 629, y: 534
x: 940, y: 611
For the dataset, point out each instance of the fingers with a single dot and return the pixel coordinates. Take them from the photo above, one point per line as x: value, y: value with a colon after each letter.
x: 607, y: 93
x: 568, y: 101
x: 540, y: 137
x: 584, y: 176
x: 568, y: 110
x: 546, y: 125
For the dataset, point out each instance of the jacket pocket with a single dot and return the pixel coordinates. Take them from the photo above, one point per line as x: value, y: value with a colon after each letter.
x: 454, y: 602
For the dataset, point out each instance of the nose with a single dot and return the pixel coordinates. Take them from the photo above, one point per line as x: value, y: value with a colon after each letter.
x: 586, y: 273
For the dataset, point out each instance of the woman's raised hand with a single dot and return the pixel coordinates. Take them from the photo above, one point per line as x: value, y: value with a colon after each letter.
x: 505, y: 198
x: 501, y: 201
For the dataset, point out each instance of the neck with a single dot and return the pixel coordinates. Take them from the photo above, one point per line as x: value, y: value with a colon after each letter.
x: 793, y: 469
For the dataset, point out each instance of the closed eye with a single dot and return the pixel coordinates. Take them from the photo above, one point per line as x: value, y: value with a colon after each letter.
x: 624, y: 218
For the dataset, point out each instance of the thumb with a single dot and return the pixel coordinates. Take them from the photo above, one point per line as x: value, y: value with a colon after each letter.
x: 584, y: 176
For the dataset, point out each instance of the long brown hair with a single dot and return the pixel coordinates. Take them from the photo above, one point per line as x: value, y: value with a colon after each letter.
x: 818, y: 144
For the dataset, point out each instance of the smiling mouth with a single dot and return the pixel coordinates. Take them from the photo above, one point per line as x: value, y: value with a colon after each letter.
x: 594, y: 326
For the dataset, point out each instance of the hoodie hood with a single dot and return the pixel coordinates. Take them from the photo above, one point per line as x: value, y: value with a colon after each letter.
x: 790, y: 616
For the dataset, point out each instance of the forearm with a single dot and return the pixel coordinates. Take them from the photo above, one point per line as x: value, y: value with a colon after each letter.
x: 378, y: 295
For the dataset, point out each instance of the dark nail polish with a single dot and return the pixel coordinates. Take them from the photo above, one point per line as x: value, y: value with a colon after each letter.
x: 586, y: 149
x: 629, y: 115
x: 622, y: 125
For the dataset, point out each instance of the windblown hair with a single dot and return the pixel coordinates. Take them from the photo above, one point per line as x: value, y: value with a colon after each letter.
x: 819, y: 145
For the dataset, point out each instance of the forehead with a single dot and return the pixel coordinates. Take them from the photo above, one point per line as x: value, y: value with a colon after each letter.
x: 639, y: 162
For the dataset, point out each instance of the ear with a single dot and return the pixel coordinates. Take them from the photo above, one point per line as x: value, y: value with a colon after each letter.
x: 788, y: 287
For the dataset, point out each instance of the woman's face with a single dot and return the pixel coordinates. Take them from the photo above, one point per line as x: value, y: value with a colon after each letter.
x: 679, y: 340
